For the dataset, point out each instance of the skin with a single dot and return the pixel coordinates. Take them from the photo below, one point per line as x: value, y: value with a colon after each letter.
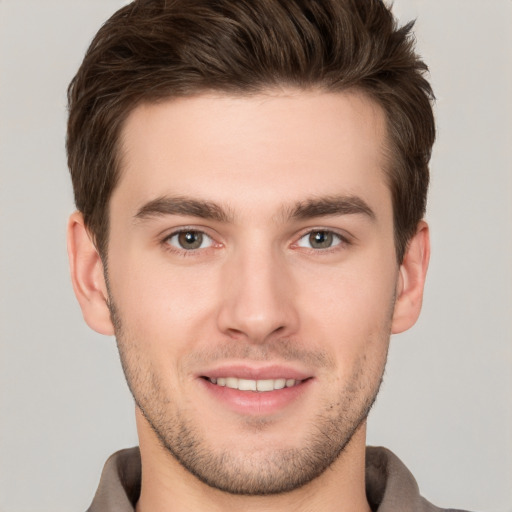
x: 259, y: 294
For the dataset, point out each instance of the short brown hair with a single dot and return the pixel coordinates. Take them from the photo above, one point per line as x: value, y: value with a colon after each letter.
x: 155, y: 49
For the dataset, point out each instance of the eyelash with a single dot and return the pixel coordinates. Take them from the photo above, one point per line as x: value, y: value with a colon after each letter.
x: 166, y: 242
x: 341, y: 241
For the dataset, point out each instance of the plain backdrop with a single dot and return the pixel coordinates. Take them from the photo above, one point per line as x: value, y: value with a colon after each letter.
x: 446, y: 403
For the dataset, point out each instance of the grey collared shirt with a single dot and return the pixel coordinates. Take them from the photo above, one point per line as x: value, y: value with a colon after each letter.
x: 390, y: 486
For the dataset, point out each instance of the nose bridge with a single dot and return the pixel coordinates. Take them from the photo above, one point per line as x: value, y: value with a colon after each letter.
x: 257, y: 300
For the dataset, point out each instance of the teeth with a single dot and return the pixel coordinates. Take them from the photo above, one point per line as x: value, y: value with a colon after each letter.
x: 279, y: 383
x: 232, y: 382
x: 246, y: 385
x: 263, y: 385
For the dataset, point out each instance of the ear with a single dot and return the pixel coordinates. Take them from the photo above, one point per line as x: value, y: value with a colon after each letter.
x: 411, y: 280
x: 87, y: 276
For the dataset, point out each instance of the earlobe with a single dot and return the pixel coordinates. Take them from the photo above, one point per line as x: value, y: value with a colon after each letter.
x: 411, y: 280
x: 87, y: 276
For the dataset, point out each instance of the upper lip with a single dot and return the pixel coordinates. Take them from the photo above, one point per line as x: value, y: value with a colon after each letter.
x: 242, y: 371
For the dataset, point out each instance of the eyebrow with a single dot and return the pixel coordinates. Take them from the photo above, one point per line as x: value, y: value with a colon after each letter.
x: 311, y: 208
x: 179, y: 205
x: 331, y: 205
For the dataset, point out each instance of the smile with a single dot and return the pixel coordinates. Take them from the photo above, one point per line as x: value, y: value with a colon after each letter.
x: 262, y: 385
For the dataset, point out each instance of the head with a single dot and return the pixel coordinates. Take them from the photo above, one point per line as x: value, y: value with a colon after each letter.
x: 154, y: 50
x: 254, y: 175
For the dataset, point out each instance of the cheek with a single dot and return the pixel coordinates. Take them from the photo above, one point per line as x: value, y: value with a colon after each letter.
x: 162, y: 307
x: 358, y: 295
x: 351, y: 313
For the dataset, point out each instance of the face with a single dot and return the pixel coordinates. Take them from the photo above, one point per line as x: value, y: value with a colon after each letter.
x: 252, y: 279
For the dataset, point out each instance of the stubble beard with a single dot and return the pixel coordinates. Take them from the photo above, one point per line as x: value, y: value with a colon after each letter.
x: 273, y: 472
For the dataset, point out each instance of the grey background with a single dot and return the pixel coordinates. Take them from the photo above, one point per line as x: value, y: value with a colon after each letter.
x: 446, y: 404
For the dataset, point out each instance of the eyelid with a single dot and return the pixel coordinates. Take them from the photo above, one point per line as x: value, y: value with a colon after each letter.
x: 184, y: 229
x: 343, y: 237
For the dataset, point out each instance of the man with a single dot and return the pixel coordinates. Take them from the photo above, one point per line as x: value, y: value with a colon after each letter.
x: 250, y: 179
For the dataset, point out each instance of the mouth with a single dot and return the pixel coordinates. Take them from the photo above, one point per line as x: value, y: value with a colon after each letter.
x: 256, y: 390
x: 258, y: 386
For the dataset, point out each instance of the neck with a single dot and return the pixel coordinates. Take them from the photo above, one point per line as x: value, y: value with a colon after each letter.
x: 166, y: 485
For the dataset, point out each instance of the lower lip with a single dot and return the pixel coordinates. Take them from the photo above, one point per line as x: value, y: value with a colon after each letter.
x: 256, y: 403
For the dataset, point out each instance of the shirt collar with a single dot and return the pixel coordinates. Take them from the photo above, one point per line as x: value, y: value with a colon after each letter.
x: 390, y: 487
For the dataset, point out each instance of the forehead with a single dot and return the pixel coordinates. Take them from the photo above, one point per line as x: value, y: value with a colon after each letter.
x: 265, y: 149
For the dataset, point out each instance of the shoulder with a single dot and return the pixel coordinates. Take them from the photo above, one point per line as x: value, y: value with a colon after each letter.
x: 119, y: 486
x: 391, y: 487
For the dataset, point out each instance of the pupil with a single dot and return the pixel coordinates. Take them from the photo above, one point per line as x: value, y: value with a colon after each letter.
x: 190, y: 239
x: 321, y: 239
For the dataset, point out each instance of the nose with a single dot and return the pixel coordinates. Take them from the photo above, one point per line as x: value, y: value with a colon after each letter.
x: 257, y: 300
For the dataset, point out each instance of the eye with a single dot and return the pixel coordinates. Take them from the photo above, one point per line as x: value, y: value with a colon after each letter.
x: 320, y: 239
x: 189, y: 240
